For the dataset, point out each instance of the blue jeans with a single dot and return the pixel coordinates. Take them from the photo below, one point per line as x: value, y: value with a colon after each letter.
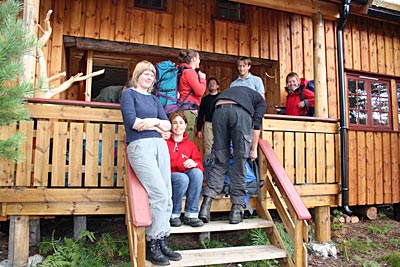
x: 189, y: 183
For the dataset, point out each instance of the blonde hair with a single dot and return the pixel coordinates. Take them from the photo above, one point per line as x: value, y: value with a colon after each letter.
x: 293, y: 75
x: 141, y: 67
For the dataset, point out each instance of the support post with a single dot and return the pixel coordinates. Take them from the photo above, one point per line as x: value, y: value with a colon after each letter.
x: 80, y: 224
x: 34, y: 232
x: 18, y: 242
x: 322, y: 224
x: 320, y: 95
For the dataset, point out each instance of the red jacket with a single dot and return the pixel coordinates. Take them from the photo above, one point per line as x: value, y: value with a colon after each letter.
x: 190, y: 81
x: 293, y: 99
x: 180, y: 152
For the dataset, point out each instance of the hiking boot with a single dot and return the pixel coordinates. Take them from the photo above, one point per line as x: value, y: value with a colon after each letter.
x: 194, y: 222
x: 154, y: 253
x: 235, y: 216
x: 167, y: 251
x: 205, y: 209
x: 175, y: 222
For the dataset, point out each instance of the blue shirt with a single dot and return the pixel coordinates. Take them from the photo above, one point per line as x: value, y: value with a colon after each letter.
x: 138, y: 105
x: 251, y: 81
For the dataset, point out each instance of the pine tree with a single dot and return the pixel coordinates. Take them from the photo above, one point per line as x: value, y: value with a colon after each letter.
x: 14, y: 42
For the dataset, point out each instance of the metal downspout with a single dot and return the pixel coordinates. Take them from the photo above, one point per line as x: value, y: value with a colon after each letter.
x: 342, y: 95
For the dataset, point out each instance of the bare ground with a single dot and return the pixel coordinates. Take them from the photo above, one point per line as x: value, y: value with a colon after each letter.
x: 359, y: 244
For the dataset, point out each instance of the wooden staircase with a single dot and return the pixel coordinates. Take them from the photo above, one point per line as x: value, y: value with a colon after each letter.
x: 292, y: 211
x: 201, y: 257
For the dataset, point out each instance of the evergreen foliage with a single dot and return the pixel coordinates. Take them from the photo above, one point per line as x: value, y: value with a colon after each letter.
x: 14, y: 43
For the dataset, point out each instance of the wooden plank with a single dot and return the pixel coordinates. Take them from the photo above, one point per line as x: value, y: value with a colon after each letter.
x: 220, y: 41
x: 42, y: 151
x: 278, y: 145
x: 53, y: 195
x: 67, y: 16
x: 380, y: 45
x: 244, y: 40
x: 310, y: 158
x: 300, y: 158
x: 300, y: 126
x: 221, y: 226
x: 7, y: 166
x: 121, y: 170
x: 284, y: 51
x: 361, y: 169
x: 92, y: 25
x: 254, y: 31
x: 151, y: 28
x: 92, y: 154
x: 387, y: 170
x: 59, y: 154
x: 355, y: 36
x: 395, y: 105
x: 296, y: 30
x: 308, y: 47
x: 273, y: 35
x: 331, y: 63
x: 180, y: 25
x: 24, y: 168
x: 207, y: 33
x: 137, y: 26
x: 59, y: 25
x: 364, y: 45
x: 66, y: 208
x: 373, y: 52
x: 201, y: 257
x: 396, y: 50
x: 88, y: 82
x: 73, y: 113
x: 370, y: 165
x: 75, y: 154
x: 317, y: 189
x: 289, y: 155
x: 347, y: 46
x: 165, y: 30
x: 395, y: 164
x: 320, y: 158
x: 232, y: 44
x: 107, y: 20
x: 389, y: 54
x: 264, y: 33
x: 107, y: 155
x: 194, y: 28
x: 378, y: 162
x: 330, y: 158
x: 78, y: 19
x: 353, y: 162
x: 122, y: 21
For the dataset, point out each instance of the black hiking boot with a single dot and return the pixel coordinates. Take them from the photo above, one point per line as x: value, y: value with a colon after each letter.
x: 167, y: 251
x: 205, y: 209
x: 154, y: 254
x: 235, y: 216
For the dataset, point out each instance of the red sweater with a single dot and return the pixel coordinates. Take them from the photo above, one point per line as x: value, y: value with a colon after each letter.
x: 293, y: 99
x: 180, y: 152
x: 190, y: 81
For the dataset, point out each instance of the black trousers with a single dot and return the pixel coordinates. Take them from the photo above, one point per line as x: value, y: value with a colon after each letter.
x: 233, y: 124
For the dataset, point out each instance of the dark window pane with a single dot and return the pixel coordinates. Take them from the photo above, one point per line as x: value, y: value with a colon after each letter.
x: 362, y: 117
x: 151, y: 4
x: 361, y: 88
x: 352, y: 86
x: 230, y: 10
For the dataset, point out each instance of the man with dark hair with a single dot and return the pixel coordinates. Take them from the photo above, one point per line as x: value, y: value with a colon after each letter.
x: 237, y: 119
x: 246, y: 78
x: 205, y: 115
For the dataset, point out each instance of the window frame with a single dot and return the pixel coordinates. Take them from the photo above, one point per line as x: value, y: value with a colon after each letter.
x: 397, y: 83
x: 368, y: 79
x: 164, y: 6
x: 241, y: 10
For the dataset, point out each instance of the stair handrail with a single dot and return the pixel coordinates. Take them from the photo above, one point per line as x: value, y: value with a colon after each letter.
x: 283, y: 181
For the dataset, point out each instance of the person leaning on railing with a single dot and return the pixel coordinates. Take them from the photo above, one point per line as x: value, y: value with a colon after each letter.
x: 145, y: 120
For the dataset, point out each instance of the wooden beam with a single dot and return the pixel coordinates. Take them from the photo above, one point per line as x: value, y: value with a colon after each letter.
x: 131, y: 48
x: 322, y: 224
x: 388, y: 4
x: 18, y: 242
x: 30, y: 19
x: 306, y: 7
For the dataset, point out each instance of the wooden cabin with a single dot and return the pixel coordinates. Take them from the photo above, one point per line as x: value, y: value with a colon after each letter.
x: 347, y: 155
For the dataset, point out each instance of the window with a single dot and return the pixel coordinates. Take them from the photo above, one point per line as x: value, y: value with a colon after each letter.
x: 230, y: 10
x: 160, y: 5
x: 369, y: 102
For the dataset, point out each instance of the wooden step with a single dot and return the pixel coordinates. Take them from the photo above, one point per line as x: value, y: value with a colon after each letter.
x: 219, y: 226
x: 199, y: 257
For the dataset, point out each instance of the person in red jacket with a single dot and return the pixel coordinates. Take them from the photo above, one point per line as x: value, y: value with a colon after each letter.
x: 295, y: 105
x: 186, y: 173
x: 192, y: 86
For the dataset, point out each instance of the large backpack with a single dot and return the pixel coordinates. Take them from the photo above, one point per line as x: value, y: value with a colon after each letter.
x: 253, y: 182
x: 310, y: 86
x: 166, y: 86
